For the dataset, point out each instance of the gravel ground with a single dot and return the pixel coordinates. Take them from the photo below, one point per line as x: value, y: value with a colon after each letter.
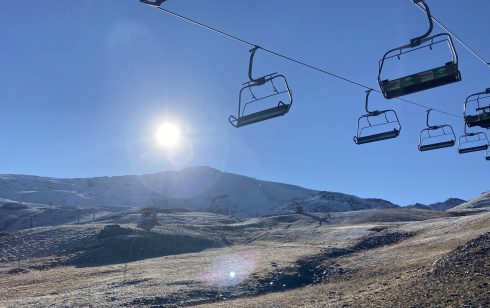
x: 276, y: 261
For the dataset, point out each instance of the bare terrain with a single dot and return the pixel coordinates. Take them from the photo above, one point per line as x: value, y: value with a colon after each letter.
x: 371, y: 258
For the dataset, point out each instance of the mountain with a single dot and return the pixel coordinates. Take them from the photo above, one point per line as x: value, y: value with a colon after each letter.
x: 439, y: 206
x: 482, y: 201
x: 335, y: 202
x: 419, y: 206
x: 196, y: 188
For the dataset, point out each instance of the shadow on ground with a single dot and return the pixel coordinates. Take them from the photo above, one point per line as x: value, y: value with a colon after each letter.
x: 316, y: 269
x: 115, y: 244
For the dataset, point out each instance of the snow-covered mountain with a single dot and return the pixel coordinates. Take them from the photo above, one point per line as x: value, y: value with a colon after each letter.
x: 439, y: 206
x: 482, y: 201
x: 335, y: 202
x: 200, y: 188
x: 196, y: 188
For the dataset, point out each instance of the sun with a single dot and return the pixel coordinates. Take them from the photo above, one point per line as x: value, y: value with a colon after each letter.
x: 168, y: 135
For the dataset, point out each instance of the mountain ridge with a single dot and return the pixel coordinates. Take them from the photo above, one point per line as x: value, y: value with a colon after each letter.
x: 325, y: 201
x: 439, y: 206
x: 200, y: 188
x: 480, y: 202
x: 194, y: 188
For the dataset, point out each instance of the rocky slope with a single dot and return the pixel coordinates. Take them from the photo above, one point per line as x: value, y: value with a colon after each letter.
x: 335, y: 202
x: 480, y: 202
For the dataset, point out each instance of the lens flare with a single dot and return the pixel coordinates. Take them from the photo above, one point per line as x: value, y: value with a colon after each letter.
x: 230, y: 270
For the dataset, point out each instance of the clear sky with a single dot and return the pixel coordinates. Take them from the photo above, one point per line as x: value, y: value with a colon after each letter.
x: 84, y: 84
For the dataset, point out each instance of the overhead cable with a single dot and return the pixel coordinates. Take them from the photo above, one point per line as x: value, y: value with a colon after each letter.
x: 304, y: 64
x: 459, y: 39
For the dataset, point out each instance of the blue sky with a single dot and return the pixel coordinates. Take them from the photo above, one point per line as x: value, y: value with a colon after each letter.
x: 84, y: 83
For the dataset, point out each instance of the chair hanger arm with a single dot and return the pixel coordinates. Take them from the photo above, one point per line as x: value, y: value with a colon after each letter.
x: 416, y: 41
x: 155, y: 3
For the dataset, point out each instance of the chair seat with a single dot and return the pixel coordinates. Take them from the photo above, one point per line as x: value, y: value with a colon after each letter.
x: 377, y: 137
x: 473, y: 149
x: 432, y: 78
x: 435, y: 146
x: 482, y: 120
x: 263, y: 115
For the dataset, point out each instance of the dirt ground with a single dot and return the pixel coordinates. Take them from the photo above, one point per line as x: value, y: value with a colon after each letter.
x: 276, y: 261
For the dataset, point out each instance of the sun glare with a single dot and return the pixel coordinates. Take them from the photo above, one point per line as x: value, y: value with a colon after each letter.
x: 168, y: 135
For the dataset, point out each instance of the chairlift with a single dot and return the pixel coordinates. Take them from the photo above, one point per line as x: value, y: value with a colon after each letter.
x: 365, y: 122
x: 272, y: 81
x: 473, y: 142
x: 487, y: 155
x: 482, y: 116
x: 425, y: 80
x: 155, y: 3
x: 436, y: 136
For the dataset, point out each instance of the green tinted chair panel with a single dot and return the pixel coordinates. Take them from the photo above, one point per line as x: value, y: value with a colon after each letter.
x: 436, y: 77
x: 482, y: 120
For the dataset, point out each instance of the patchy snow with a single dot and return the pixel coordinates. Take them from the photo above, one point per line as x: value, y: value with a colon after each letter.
x: 335, y: 202
x: 439, y: 206
x: 192, y: 188
x: 482, y: 201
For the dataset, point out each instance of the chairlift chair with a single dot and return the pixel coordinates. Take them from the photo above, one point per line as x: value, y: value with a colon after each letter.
x: 424, y: 80
x: 482, y: 116
x: 473, y: 142
x: 155, y: 3
x: 443, y: 135
x: 487, y: 155
x: 364, y: 122
x: 270, y: 80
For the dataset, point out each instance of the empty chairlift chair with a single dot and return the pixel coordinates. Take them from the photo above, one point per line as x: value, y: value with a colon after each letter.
x: 478, y: 114
x: 436, y: 136
x: 155, y: 3
x: 473, y: 142
x: 435, y: 77
x: 277, y: 87
x: 371, y: 129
